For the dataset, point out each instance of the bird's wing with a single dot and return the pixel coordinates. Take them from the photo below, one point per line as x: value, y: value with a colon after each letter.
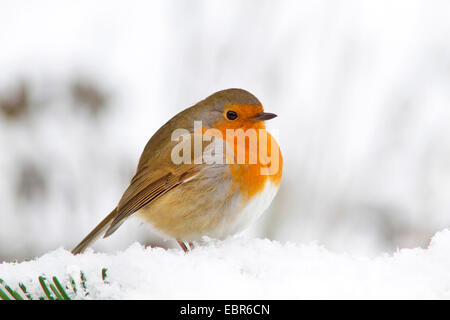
x: 156, y: 175
x: 148, y: 185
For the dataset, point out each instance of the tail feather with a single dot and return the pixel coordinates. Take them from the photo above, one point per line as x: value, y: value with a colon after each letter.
x: 99, y: 230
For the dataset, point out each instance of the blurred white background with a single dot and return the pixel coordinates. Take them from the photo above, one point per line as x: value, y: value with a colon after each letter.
x: 362, y: 90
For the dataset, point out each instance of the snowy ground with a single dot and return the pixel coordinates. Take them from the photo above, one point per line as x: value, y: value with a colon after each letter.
x: 240, y: 268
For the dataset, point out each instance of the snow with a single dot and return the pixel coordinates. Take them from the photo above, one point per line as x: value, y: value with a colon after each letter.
x: 241, y: 268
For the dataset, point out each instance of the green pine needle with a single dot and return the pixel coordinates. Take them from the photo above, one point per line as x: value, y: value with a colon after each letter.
x: 24, y: 290
x: 73, y: 284
x: 104, y: 273
x: 56, y: 292
x: 83, y: 282
x: 3, y: 295
x: 45, y: 288
x: 61, y: 290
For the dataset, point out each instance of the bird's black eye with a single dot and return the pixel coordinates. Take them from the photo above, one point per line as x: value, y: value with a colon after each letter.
x: 231, y: 115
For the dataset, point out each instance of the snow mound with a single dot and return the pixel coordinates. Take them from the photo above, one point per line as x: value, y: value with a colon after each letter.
x: 240, y: 268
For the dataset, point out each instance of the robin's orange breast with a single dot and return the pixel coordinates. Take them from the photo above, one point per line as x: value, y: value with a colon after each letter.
x: 255, y: 158
x: 252, y: 178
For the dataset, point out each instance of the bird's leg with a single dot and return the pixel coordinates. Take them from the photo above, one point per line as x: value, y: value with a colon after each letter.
x: 183, y: 246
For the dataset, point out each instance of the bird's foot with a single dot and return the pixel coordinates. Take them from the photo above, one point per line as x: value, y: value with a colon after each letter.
x: 186, y: 246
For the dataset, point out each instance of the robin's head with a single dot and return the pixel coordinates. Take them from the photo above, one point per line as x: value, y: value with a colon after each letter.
x: 232, y: 109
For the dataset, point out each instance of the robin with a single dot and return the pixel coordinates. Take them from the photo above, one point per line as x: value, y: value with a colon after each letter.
x: 186, y: 195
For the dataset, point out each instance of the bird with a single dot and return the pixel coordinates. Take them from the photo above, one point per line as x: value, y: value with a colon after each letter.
x: 197, y: 196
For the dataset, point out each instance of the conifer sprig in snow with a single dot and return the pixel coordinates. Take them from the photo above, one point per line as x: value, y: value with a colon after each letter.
x: 53, y: 290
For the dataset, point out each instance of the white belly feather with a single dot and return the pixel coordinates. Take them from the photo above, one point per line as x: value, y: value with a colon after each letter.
x: 240, y: 217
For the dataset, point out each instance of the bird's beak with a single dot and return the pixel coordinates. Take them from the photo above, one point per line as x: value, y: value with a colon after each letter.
x: 263, y: 116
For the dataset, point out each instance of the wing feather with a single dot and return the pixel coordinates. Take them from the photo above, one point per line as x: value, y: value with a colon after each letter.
x: 148, y: 185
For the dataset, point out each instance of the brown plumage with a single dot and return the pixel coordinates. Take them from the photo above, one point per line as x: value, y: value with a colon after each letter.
x: 187, y: 201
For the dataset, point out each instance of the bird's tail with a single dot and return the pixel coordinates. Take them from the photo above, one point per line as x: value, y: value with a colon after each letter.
x: 95, y: 234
